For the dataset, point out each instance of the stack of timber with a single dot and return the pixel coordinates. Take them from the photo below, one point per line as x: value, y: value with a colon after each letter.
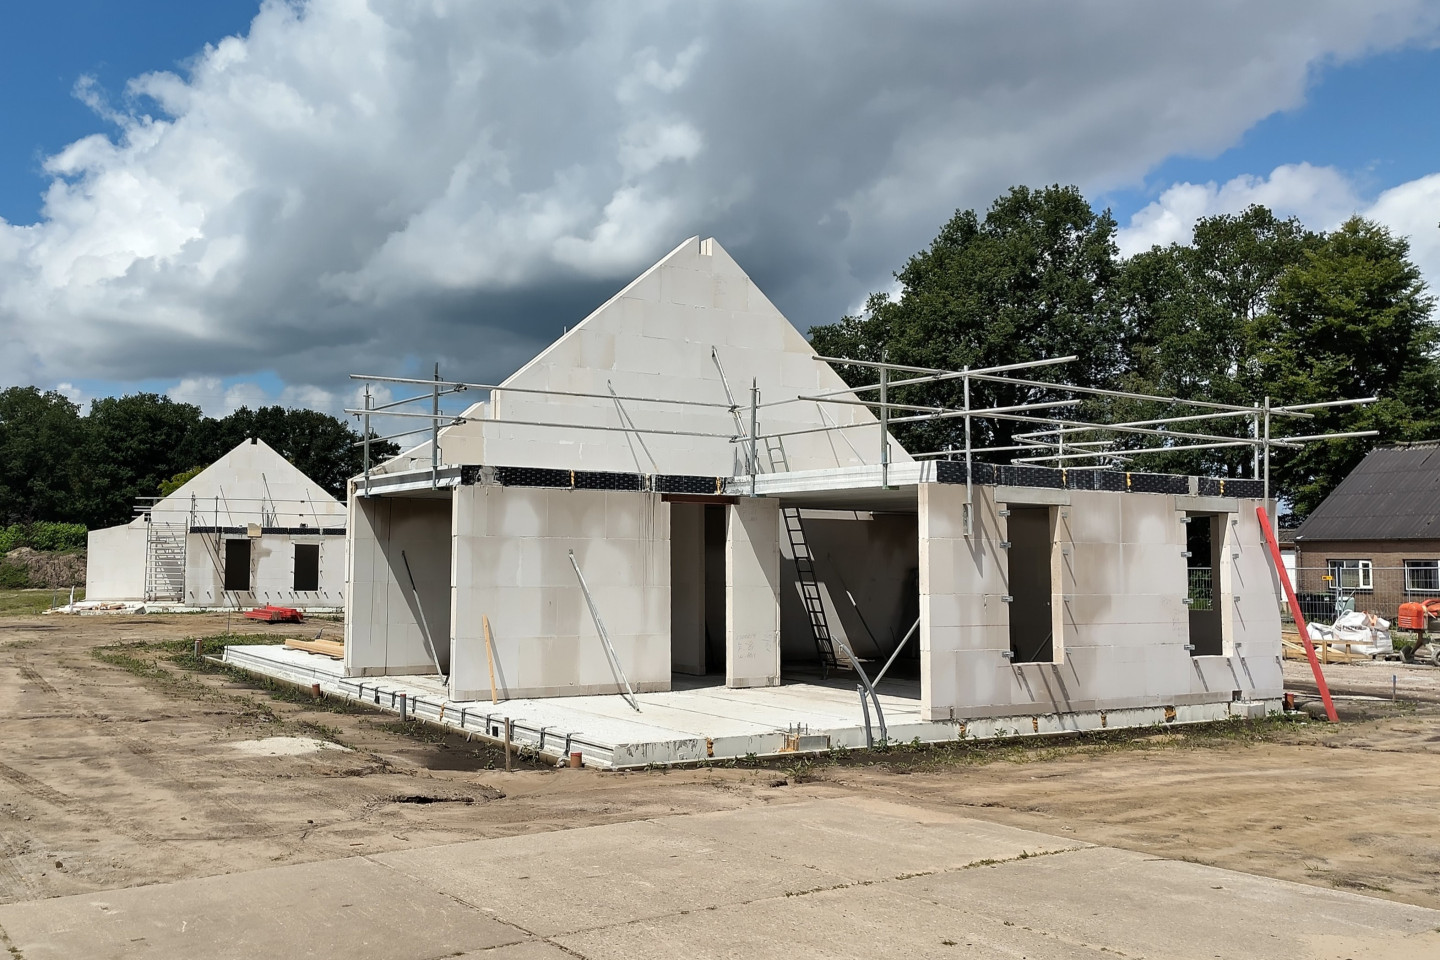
x: 1327, y: 651
x: 328, y: 648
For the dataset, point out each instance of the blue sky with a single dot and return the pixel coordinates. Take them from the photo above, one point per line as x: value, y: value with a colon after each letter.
x: 375, y: 186
x: 1378, y: 120
x: 46, y: 47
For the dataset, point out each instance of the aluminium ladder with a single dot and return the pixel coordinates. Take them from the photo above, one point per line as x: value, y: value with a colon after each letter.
x: 805, y: 569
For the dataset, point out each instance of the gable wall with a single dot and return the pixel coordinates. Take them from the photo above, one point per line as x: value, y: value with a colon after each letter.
x: 654, y: 339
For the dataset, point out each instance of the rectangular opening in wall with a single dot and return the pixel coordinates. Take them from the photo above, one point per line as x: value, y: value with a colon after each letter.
x: 716, y: 524
x: 1032, y: 631
x: 237, y: 564
x: 1202, y: 543
x: 307, y: 567
x: 687, y: 588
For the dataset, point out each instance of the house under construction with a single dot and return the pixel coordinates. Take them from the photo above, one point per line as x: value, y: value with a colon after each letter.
x: 248, y: 530
x: 679, y: 495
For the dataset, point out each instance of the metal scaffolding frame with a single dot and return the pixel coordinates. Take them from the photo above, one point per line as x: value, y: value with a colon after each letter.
x: 1054, y: 441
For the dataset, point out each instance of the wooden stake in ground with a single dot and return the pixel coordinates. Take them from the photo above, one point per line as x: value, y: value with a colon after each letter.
x: 489, y: 658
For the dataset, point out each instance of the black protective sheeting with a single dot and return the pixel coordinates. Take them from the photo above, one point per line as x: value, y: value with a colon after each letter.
x: 1394, y: 494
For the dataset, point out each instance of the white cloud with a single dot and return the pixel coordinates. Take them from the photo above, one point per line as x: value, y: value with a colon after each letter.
x: 1322, y: 197
x: 1413, y: 209
x: 216, y: 399
x: 372, y: 185
x: 76, y: 396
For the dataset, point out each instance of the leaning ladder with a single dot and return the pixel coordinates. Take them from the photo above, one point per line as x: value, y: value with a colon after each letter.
x: 804, y: 569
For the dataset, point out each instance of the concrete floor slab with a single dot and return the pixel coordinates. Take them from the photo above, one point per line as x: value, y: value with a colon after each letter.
x: 336, y: 910
x: 698, y: 720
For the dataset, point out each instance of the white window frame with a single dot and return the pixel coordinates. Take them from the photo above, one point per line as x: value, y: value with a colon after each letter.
x: 1431, y: 565
x: 1364, y: 569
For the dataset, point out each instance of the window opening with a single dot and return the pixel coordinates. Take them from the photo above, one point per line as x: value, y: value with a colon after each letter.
x: 1032, y: 631
x: 1352, y: 574
x: 1201, y: 547
x: 1422, y: 576
x: 237, y: 564
x: 307, y: 567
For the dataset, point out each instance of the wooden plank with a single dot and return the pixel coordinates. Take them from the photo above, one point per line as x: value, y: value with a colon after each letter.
x: 329, y: 648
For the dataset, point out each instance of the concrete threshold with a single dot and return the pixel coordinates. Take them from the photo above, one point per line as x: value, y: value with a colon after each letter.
x: 694, y: 724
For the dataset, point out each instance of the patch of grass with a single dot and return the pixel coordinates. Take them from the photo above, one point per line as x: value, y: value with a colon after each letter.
x: 29, y: 603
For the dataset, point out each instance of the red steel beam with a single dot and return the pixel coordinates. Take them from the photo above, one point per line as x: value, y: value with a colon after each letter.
x: 1295, y: 612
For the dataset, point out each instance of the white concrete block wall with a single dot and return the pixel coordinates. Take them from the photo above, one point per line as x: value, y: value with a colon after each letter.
x: 511, y: 563
x: 115, y: 563
x: 272, y: 572
x: 964, y: 626
x: 1121, y: 584
x: 752, y: 594
x: 654, y: 339
x: 1251, y: 597
x: 384, y: 634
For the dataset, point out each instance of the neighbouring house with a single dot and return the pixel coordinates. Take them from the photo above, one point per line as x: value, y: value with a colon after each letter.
x: 740, y: 518
x: 248, y: 530
x: 1376, y: 538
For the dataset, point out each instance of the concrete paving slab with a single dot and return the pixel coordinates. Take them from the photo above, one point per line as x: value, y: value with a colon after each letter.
x: 1144, y: 906
x: 853, y: 923
x: 600, y: 876
x: 850, y: 877
x: 529, y: 950
x: 863, y: 840
x: 337, y: 910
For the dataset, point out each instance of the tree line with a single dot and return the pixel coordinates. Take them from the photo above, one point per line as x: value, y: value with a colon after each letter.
x: 57, y: 465
x: 1254, y: 305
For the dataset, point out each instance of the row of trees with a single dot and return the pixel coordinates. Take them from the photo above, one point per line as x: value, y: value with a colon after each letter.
x: 56, y: 465
x: 1254, y: 306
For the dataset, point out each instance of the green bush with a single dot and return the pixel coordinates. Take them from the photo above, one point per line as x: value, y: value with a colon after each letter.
x: 46, y: 536
x: 13, y: 576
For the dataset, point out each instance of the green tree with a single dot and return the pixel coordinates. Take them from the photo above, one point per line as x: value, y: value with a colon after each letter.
x: 1033, y: 280
x: 131, y: 445
x: 1351, y: 319
x: 39, y: 439
x: 1253, y: 306
x: 168, y: 487
x: 1191, y: 313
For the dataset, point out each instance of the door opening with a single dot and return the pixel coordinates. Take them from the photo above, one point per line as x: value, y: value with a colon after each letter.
x: 1032, y: 636
x: 697, y: 589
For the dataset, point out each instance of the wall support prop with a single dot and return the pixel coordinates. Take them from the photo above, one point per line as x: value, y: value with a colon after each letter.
x: 1295, y: 611
x: 604, y: 635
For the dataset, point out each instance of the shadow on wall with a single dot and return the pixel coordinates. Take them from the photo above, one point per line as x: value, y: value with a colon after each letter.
x: 874, y: 558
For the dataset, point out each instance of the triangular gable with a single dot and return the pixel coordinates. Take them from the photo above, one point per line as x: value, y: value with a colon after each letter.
x: 654, y: 339
x: 235, y: 487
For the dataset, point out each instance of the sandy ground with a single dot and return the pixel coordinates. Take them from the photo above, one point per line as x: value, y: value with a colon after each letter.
x: 111, y: 780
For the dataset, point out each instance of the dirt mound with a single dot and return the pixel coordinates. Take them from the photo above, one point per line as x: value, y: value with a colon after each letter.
x: 50, y: 570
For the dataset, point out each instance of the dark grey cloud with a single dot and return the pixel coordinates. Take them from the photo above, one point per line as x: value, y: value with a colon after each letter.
x: 363, y: 185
